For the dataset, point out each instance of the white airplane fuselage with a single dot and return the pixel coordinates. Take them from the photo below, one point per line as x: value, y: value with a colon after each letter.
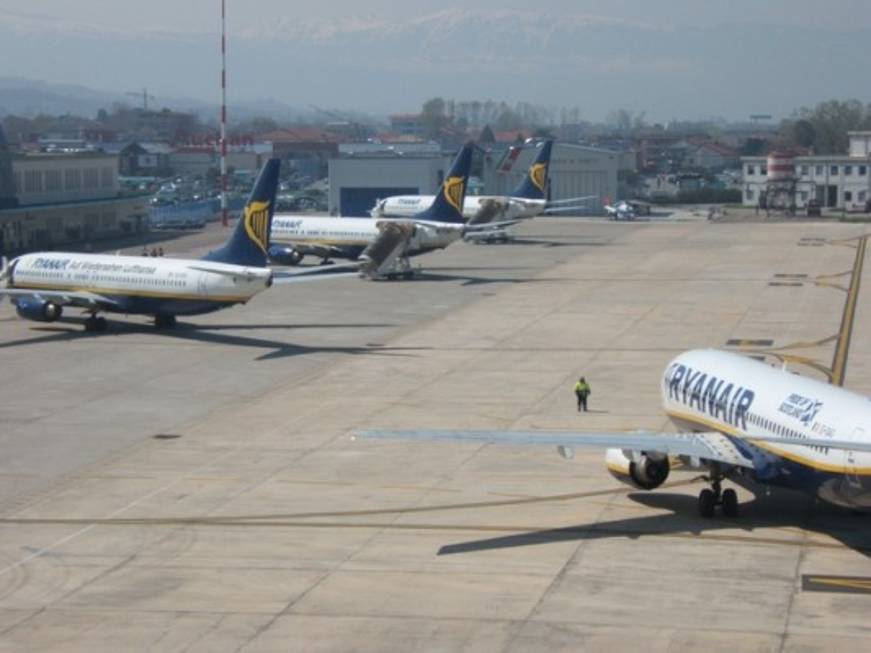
x: 507, y: 208
x: 139, y: 284
x: 708, y: 390
x: 353, y: 235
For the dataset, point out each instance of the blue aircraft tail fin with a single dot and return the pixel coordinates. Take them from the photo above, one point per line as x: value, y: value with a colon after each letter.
x: 249, y: 241
x: 534, y: 184
x: 448, y: 203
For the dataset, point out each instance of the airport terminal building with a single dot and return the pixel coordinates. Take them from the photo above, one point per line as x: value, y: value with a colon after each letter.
x: 51, y: 200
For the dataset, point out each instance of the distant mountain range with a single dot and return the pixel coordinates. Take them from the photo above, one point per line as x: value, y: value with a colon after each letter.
x: 379, y: 65
x: 27, y: 97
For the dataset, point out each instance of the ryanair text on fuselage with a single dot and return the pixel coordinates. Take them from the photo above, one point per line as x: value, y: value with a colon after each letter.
x: 718, y: 398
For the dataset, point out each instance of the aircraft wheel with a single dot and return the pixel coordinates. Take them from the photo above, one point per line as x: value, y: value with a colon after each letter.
x: 707, y: 501
x: 101, y: 324
x: 91, y: 324
x: 730, y: 503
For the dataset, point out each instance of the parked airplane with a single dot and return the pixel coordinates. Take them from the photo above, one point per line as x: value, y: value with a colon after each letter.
x: 746, y: 421
x: 42, y: 284
x: 527, y: 200
x: 296, y: 236
x: 626, y: 210
x: 620, y: 211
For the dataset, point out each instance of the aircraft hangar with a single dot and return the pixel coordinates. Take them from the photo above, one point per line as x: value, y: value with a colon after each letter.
x: 364, y: 173
x: 575, y: 171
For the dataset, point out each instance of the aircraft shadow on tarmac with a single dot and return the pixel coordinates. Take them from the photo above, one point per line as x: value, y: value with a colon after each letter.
x: 469, y: 280
x: 67, y: 332
x: 553, y: 243
x: 766, y: 512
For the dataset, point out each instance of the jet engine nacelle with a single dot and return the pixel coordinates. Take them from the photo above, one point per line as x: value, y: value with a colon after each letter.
x: 645, y: 471
x: 38, y: 310
x: 285, y: 255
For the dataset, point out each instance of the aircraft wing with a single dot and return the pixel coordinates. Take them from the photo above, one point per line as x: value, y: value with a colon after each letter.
x: 570, y: 204
x: 712, y: 445
x: 847, y: 445
x: 62, y: 297
x: 491, y: 226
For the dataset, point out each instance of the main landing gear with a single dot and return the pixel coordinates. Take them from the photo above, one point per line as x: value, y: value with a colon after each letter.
x: 95, y: 324
x: 710, y: 498
x: 164, y: 321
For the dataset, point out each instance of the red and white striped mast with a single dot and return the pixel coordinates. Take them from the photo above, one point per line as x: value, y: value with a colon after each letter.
x: 224, y: 217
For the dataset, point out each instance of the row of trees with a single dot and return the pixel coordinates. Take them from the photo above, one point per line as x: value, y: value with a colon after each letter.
x: 439, y: 114
x: 824, y: 128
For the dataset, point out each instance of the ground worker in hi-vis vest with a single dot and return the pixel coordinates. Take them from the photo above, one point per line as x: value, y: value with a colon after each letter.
x: 582, y: 391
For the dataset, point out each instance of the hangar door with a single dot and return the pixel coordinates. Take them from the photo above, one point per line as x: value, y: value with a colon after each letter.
x: 357, y: 202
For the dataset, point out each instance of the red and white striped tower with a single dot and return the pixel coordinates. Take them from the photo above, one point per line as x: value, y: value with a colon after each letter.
x: 224, y: 218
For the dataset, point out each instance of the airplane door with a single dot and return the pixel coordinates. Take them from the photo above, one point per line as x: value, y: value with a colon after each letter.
x: 850, y: 460
x: 202, y: 286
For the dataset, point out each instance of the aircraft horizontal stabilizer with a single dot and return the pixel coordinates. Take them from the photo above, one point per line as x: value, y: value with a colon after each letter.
x: 319, y: 273
x: 251, y: 274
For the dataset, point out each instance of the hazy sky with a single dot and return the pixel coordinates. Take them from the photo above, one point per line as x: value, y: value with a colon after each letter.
x: 201, y: 15
x: 669, y: 58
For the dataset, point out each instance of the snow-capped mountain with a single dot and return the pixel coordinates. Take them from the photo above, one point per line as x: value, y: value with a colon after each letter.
x: 384, y: 64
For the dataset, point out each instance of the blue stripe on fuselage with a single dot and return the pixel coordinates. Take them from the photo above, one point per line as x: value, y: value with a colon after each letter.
x: 166, y: 305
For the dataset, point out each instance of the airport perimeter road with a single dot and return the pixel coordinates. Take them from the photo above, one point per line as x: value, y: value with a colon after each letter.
x: 198, y: 490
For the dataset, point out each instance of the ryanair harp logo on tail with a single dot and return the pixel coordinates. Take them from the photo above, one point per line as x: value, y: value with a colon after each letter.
x: 538, y: 175
x: 257, y: 223
x: 454, y: 191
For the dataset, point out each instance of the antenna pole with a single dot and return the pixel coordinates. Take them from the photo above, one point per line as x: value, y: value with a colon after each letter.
x: 224, y: 218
